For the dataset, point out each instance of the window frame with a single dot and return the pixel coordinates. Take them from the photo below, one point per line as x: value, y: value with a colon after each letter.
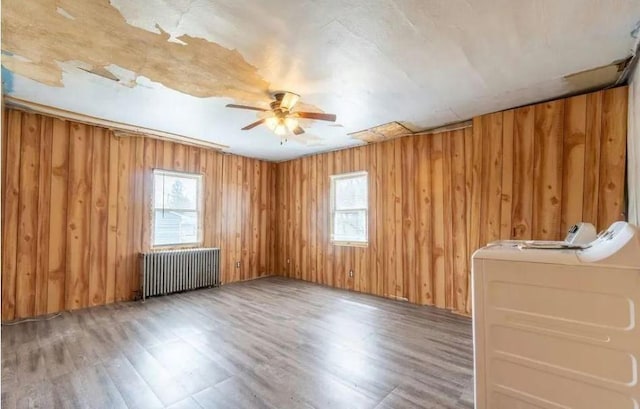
x: 199, y: 177
x: 333, y: 210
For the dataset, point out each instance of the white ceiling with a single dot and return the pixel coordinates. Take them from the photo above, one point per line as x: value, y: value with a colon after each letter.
x: 424, y: 63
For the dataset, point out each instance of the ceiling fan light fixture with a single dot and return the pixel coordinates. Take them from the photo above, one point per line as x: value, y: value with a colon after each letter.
x: 271, y: 122
x: 280, y: 129
x: 291, y: 123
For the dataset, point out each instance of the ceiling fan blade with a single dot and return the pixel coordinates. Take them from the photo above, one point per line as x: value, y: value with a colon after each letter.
x: 289, y: 100
x: 298, y: 130
x: 245, y: 107
x: 253, y: 125
x: 317, y: 115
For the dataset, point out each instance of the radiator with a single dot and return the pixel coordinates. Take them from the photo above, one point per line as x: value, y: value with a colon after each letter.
x: 165, y: 272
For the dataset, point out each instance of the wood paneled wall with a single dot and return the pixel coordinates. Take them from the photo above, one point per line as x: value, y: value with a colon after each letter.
x: 77, y: 211
x: 546, y: 166
x: 77, y: 203
x: 524, y: 173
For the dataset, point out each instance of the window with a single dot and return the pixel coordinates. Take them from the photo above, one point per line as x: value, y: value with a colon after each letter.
x: 349, y: 208
x: 177, y: 218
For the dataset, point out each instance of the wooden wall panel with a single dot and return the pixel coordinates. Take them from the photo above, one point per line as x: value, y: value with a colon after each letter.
x: 122, y: 249
x: 57, y: 219
x: 409, y: 220
x: 296, y: 217
x: 548, y: 167
x: 437, y: 220
x: 460, y: 260
x: 611, y: 205
x: 506, y: 184
x: 137, y: 196
x: 524, y: 173
x: 522, y: 202
x: 490, y: 128
x: 448, y: 215
x: 592, y: 156
x: 44, y: 205
x: 303, y: 227
x: 77, y: 211
x: 99, y: 220
x: 11, y: 194
x: 573, y: 152
x: 424, y: 247
x: 27, y: 217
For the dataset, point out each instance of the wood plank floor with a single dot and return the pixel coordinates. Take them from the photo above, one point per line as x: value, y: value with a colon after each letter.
x: 268, y: 343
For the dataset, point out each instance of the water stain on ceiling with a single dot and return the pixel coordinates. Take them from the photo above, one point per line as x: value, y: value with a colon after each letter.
x: 41, y: 34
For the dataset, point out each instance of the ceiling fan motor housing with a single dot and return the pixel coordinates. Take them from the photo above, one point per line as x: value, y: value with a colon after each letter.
x: 278, y: 95
x: 275, y: 106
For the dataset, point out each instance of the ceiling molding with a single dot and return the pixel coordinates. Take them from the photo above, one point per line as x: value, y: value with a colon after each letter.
x: 456, y: 126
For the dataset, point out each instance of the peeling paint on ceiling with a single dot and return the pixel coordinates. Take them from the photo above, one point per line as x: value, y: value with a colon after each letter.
x: 174, y: 65
x: 596, y: 77
x: 98, y: 35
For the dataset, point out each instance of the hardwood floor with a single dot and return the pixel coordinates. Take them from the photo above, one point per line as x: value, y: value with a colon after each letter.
x: 268, y: 343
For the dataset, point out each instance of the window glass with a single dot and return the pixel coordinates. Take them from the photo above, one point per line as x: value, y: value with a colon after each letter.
x: 176, y: 204
x: 349, y: 208
x: 351, y: 193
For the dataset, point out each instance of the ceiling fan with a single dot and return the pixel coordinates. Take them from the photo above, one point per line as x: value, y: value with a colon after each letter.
x: 281, y: 118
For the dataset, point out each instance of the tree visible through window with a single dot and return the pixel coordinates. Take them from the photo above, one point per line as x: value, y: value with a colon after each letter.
x: 176, y: 208
x: 349, y: 208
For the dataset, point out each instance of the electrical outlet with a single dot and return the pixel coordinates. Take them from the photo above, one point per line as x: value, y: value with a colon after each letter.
x: 237, y: 264
x: 350, y: 273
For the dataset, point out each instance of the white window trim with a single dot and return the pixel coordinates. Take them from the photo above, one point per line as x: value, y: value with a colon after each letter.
x: 333, y: 210
x: 199, y: 206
